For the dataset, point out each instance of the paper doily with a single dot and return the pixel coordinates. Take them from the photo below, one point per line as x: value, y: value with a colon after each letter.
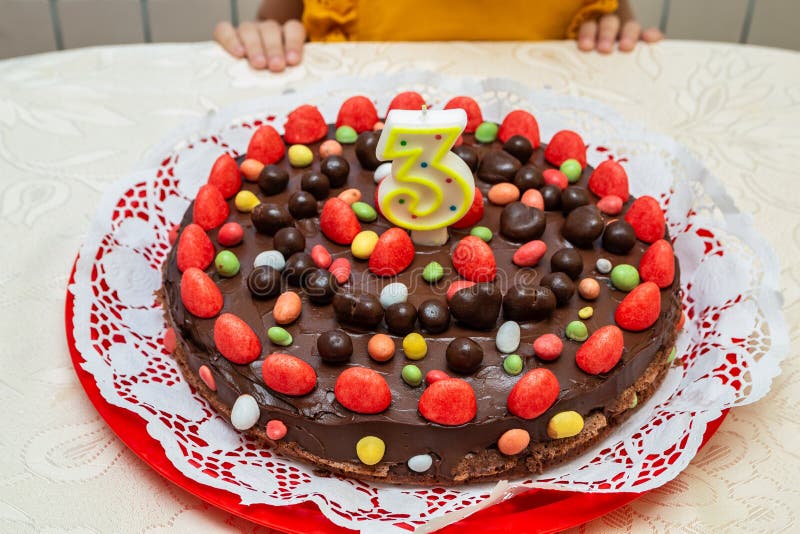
x: 729, y: 351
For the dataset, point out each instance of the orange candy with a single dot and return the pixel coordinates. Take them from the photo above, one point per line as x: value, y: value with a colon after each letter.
x: 503, y: 193
x: 380, y: 347
x: 533, y: 198
x: 287, y: 308
x: 513, y: 441
x: 350, y: 196
x: 251, y: 168
x: 589, y: 288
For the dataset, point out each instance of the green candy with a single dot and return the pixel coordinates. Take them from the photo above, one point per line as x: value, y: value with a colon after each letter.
x: 433, y: 272
x: 672, y: 354
x: 226, y: 263
x: 364, y: 212
x: 512, y: 364
x: 577, y: 331
x: 572, y: 170
x: 635, y: 402
x: 486, y: 132
x: 624, y: 277
x: 346, y: 135
x: 279, y: 336
x: 412, y: 375
x: 482, y: 233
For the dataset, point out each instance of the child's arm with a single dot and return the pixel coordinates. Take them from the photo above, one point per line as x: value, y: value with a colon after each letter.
x: 273, y: 41
x: 622, y: 26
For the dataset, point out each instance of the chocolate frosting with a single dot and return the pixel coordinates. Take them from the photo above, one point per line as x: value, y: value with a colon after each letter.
x: 319, y: 424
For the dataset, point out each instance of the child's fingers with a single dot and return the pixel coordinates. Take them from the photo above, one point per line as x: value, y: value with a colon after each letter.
x: 251, y: 38
x: 629, y: 35
x: 586, y: 35
x: 272, y: 37
x: 225, y: 34
x: 294, y: 35
x: 607, y: 33
x: 652, y: 35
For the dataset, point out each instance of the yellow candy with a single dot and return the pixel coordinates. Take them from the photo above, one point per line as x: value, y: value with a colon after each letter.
x: 363, y: 244
x: 586, y: 312
x: 245, y: 201
x: 565, y: 425
x: 414, y: 346
x: 300, y: 156
x: 370, y: 450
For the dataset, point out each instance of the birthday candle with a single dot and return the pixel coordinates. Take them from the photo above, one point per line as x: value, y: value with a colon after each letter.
x: 429, y: 187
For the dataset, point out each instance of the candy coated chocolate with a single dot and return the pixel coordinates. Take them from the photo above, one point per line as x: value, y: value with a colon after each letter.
x: 464, y: 355
x: 361, y: 311
x: 524, y: 303
x: 522, y: 223
x: 528, y: 177
x: 519, y: 147
x: 498, y: 166
x: 583, y: 226
x: 302, y: 205
x: 298, y: 266
x: 272, y: 179
x: 264, y: 282
x: 619, y: 237
x: 434, y: 316
x: 316, y: 183
x: 567, y: 260
x: 289, y: 240
x: 320, y: 286
x: 574, y: 197
x: 269, y: 218
x: 561, y: 286
x: 365, y: 149
x: 401, y: 318
x: 336, y: 168
x: 469, y: 155
x: 477, y: 306
x: 334, y: 346
x: 551, y: 195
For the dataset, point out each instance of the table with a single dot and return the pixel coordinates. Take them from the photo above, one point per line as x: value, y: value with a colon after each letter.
x: 71, y: 123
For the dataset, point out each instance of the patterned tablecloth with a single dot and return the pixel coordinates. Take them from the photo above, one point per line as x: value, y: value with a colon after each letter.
x: 73, y: 122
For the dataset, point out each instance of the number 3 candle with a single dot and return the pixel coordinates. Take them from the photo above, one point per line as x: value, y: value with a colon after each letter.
x: 429, y: 187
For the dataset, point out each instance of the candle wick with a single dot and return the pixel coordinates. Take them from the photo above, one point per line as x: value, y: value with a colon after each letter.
x: 424, y: 110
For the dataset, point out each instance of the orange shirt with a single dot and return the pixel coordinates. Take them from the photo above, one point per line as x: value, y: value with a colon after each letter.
x: 432, y: 20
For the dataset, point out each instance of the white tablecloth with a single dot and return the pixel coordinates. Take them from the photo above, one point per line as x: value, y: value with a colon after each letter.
x: 73, y: 122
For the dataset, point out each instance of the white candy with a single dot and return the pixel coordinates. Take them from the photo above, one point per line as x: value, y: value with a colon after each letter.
x: 272, y: 258
x: 508, y: 335
x: 393, y: 293
x: 420, y: 463
x: 383, y: 170
x: 245, y: 413
x: 603, y: 266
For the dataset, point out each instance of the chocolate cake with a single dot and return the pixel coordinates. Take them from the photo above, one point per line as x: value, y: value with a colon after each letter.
x: 547, y: 316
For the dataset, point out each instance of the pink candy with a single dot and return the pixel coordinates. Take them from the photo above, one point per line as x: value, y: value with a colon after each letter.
x: 548, y: 347
x: 533, y: 198
x: 610, y: 205
x: 207, y: 377
x: 276, y: 429
x: 556, y: 178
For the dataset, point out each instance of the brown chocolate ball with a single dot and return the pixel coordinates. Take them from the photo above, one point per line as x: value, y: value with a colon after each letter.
x: 365, y: 150
x: 272, y: 179
x: 269, y: 218
x: 362, y: 311
x: 320, y: 286
x: 561, y: 285
x: 336, y: 168
x: 567, y: 260
x: 469, y: 155
x: 335, y: 346
x: 302, y: 205
x: 298, y: 266
x: 551, y: 195
x: 522, y: 223
x: 316, y: 183
x: 434, y: 316
x: 264, y: 282
x: 583, y: 225
x: 519, y: 147
x: 498, y: 166
x: 288, y: 240
x: 528, y: 177
x: 619, y: 237
x: 574, y: 197
x: 464, y: 355
x: 401, y: 318
x: 524, y: 303
x: 477, y: 306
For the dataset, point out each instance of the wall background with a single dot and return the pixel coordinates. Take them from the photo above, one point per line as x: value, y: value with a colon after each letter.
x: 32, y: 26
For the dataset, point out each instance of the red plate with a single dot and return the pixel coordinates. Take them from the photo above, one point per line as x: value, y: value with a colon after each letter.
x: 549, y: 510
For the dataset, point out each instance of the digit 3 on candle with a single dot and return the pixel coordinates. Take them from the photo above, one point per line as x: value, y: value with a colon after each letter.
x: 429, y: 187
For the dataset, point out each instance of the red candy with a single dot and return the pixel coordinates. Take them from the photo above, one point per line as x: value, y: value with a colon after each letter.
x: 207, y: 378
x: 266, y: 145
x: 535, y: 392
x: 448, y: 402
x: 565, y: 145
x: 548, y: 347
x: 225, y: 176
x: 236, y: 340
x: 304, y: 125
x: 520, y: 122
x: 362, y: 390
x: 609, y: 178
x: 338, y: 221
x: 640, y: 308
x: 288, y: 374
x: 474, y: 214
x: 601, y: 352
x: 530, y: 253
x: 358, y: 112
x: 658, y: 264
x: 170, y: 342
x: 393, y: 253
x: 321, y: 257
x: 231, y: 234
x: 434, y: 375
x: 407, y: 100
x: 474, y: 115
x: 210, y: 209
x: 474, y: 260
x: 458, y: 285
x: 556, y: 178
x: 610, y: 205
x: 276, y: 429
x: 647, y: 219
x: 173, y: 233
x: 340, y: 269
x: 195, y: 249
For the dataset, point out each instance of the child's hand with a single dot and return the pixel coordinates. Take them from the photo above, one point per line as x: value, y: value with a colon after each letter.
x: 620, y: 26
x: 265, y: 44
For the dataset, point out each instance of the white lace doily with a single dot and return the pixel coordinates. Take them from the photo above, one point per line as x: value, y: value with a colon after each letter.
x: 728, y: 353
